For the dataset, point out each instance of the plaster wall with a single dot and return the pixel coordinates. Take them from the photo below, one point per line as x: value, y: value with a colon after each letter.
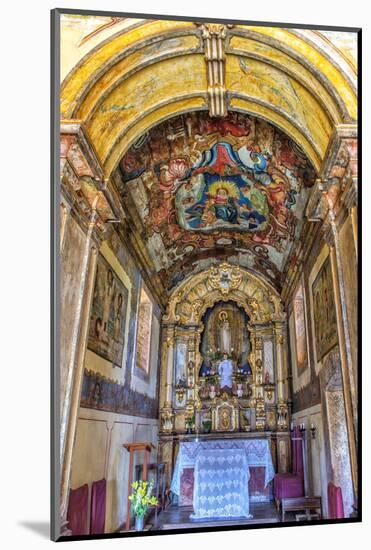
x: 99, y: 454
x: 316, y: 453
x: 98, y: 451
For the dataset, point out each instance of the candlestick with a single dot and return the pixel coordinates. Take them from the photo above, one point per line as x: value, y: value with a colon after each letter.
x: 313, y: 431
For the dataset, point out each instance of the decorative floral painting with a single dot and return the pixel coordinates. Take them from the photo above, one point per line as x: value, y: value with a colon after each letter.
x: 200, y: 183
x: 324, y: 312
x: 108, y: 314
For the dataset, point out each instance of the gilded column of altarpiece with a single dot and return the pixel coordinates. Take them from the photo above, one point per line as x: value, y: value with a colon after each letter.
x: 192, y: 401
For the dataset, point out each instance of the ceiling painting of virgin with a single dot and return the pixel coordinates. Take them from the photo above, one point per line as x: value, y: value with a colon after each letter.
x: 206, y: 189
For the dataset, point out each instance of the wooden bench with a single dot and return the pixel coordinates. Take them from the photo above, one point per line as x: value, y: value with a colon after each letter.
x: 298, y: 504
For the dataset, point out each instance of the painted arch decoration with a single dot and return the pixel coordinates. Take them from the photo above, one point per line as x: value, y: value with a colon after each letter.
x: 203, y: 186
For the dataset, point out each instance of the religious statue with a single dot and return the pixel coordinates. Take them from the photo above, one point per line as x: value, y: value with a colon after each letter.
x: 224, y: 332
x: 225, y: 372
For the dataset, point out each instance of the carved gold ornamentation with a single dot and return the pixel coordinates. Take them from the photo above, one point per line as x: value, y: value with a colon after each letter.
x: 225, y: 278
x: 170, y: 341
x: 196, y: 307
x: 258, y: 343
x: 224, y: 282
x: 282, y: 416
x: 166, y: 424
x: 180, y: 393
x: 260, y: 414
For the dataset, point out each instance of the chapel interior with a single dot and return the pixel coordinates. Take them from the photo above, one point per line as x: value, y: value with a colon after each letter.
x: 208, y: 272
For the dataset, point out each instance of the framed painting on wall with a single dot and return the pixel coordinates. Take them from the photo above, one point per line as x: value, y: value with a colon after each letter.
x: 108, y: 314
x: 324, y: 311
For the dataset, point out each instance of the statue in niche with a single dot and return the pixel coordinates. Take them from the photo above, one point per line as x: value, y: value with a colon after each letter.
x: 225, y: 372
x: 224, y: 332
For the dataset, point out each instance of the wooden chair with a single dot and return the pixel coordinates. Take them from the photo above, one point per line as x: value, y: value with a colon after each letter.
x: 302, y: 504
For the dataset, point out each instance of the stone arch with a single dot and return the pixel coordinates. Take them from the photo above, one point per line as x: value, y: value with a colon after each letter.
x: 138, y: 62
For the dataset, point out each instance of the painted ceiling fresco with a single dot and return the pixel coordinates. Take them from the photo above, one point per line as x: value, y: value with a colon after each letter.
x: 206, y: 189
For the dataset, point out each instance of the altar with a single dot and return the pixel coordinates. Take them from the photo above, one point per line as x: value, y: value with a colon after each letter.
x: 224, y: 388
x: 221, y: 474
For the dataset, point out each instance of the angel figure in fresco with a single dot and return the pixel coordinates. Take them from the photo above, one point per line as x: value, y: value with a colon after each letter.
x: 255, y: 210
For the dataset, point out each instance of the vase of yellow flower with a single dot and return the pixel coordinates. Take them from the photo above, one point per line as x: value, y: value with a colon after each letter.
x: 139, y: 523
x: 141, y: 499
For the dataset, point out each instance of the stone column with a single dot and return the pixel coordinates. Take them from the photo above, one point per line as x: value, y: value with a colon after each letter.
x: 70, y: 407
x: 337, y: 267
x: 345, y: 373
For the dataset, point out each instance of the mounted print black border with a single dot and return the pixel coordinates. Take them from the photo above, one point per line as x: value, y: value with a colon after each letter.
x: 55, y: 283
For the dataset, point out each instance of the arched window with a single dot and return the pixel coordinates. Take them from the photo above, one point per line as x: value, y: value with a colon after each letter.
x: 144, y: 329
x: 300, y: 329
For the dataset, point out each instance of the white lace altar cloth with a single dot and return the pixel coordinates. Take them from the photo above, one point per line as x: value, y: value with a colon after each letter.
x: 221, y: 484
x: 257, y: 454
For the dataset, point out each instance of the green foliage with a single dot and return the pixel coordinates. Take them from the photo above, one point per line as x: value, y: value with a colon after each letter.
x: 190, y: 421
x: 141, y: 498
x: 206, y: 424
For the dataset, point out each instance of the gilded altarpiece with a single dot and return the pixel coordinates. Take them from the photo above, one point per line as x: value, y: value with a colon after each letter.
x: 224, y: 363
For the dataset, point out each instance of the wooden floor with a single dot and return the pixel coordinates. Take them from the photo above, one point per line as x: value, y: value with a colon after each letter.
x: 177, y: 517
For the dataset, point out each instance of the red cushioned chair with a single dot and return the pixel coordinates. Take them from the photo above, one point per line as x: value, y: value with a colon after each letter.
x: 98, y: 507
x: 291, y: 484
x: 335, y: 502
x: 77, y: 514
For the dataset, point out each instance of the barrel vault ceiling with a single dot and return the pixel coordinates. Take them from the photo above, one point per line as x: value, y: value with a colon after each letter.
x: 207, y: 137
x: 198, y: 190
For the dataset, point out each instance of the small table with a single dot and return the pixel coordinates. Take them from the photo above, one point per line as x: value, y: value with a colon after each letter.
x: 298, y: 504
x: 132, y: 448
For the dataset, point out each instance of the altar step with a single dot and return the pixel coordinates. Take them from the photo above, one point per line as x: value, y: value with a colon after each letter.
x: 177, y: 517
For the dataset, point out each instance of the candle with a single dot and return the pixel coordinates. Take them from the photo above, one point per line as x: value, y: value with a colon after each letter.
x: 291, y: 426
x: 312, y: 426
